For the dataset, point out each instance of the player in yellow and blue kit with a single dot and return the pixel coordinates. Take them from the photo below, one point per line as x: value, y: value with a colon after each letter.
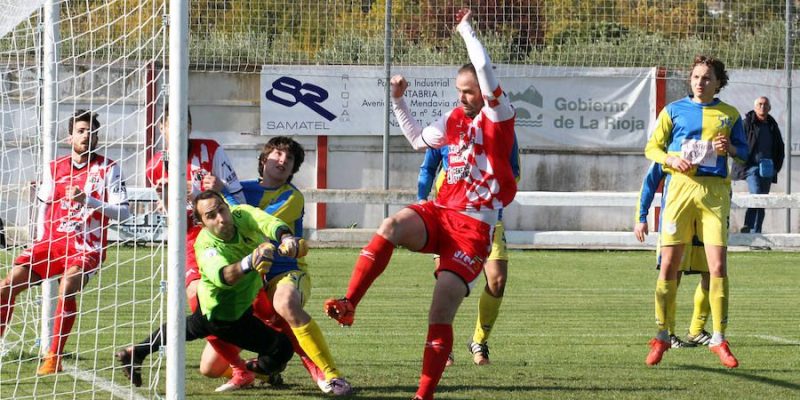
x: 692, y: 140
x: 496, y: 266
x: 693, y: 262
x: 288, y: 283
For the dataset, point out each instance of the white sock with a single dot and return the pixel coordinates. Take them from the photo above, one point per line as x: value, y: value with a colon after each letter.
x: 716, y: 339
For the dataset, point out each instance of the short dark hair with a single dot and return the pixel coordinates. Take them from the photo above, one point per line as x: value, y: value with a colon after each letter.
x: 82, y: 115
x: 468, y: 67
x: 283, y: 143
x: 715, y: 64
x: 204, y: 195
x: 165, y: 116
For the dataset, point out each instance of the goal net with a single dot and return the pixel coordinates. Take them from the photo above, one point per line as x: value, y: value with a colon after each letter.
x: 57, y: 57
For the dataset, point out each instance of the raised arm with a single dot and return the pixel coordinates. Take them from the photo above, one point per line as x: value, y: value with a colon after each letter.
x: 223, y: 170
x: 499, y: 106
x: 431, y: 136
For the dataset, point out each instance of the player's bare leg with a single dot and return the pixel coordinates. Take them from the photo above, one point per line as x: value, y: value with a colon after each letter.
x: 17, y: 281
x: 405, y: 228
x: 213, y: 365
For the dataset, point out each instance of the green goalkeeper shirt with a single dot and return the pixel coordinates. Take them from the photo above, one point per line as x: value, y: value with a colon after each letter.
x: 219, y: 300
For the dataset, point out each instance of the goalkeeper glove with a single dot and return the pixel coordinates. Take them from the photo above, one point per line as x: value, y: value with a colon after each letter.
x: 260, y: 259
x: 292, y: 247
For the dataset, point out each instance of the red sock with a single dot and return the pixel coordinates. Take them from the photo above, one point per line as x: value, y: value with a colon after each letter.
x: 66, y: 310
x: 228, y: 351
x: 312, y: 369
x: 6, y: 311
x: 370, y: 264
x: 437, y: 348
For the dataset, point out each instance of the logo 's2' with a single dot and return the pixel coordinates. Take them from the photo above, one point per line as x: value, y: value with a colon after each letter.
x: 309, y: 94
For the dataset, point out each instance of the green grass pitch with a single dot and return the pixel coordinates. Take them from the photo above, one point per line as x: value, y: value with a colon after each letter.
x: 573, y: 325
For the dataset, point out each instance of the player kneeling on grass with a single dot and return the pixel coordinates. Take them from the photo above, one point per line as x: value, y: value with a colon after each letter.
x: 207, y: 168
x: 82, y: 192
x: 288, y: 283
x: 234, y: 251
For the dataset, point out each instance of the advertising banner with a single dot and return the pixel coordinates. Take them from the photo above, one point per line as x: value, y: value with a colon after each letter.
x: 556, y: 107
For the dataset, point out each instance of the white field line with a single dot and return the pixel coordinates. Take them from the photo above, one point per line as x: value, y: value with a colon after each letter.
x: 117, y: 391
x: 777, y: 339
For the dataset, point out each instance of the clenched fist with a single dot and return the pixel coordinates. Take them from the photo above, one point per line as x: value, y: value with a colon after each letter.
x: 260, y: 260
x: 293, y: 247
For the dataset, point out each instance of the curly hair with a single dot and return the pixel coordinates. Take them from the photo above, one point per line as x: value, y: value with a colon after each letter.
x: 715, y: 64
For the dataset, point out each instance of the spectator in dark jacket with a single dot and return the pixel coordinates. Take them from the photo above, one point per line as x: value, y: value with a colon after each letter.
x: 766, y: 145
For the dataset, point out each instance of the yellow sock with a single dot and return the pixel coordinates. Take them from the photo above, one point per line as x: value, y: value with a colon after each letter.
x: 671, y: 310
x: 701, y: 310
x: 666, y: 291
x: 488, y: 310
x: 718, y: 299
x: 310, y: 338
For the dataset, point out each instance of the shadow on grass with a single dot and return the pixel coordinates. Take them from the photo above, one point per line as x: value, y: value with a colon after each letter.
x: 453, y: 391
x: 748, y: 376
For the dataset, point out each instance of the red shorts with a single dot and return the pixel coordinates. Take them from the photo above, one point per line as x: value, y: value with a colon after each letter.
x: 192, y: 270
x: 48, y: 259
x: 462, y: 242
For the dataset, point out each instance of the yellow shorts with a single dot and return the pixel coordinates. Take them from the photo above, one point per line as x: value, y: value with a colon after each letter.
x: 299, y: 279
x: 696, y: 204
x: 499, y: 248
x: 694, y: 259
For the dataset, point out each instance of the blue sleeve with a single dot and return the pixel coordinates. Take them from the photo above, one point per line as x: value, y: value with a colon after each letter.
x: 231, y: 199
x: 427, y: 173
x: 252, y: 192
x: 515, y: 158
x: 655, y: 174
x: 739, y: 141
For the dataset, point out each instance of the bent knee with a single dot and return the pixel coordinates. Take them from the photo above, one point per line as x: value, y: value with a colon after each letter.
x: 210, y: 371
x: 496, y: 288
x: 388, y: 228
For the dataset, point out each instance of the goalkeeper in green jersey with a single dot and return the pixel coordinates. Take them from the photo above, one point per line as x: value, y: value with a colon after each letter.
x: 233, y: 253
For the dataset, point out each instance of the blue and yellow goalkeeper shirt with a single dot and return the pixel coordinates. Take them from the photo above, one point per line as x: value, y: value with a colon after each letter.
x: 218, y: 299
x: 287, y: 203
x: 686, y: 129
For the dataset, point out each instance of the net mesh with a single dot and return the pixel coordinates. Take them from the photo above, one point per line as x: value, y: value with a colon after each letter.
x: 242, y: 35
x: 109, y: 58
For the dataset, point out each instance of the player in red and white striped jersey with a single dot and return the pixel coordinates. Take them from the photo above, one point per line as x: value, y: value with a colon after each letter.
x: 458, y: 225
x: 78, y: 195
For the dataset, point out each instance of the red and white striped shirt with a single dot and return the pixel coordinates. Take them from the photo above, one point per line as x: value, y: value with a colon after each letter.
x: 81, y: 226
x: 206, y: 157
